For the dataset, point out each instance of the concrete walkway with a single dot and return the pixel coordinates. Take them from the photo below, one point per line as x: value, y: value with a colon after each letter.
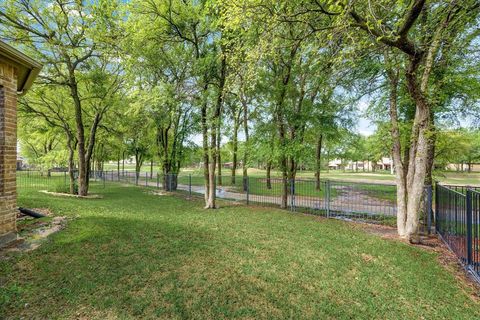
x: 350, y: 200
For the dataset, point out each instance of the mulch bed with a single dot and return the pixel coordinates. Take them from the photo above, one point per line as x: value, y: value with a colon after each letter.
x: 58, y: 194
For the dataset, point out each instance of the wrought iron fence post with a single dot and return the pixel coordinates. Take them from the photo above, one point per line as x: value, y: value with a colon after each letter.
x: 292, y: 194
x: 327, y: 197
x: 103, y: 178
x: 469, y: 227
x: 170, y: 175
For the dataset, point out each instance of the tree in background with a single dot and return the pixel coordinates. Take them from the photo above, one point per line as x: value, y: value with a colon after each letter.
x: 73, y: 41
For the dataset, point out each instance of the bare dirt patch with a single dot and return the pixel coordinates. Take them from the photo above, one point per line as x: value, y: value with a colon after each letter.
x: 33, y: 232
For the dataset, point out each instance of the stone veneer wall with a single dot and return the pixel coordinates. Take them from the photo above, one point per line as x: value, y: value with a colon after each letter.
x: 8, y: 152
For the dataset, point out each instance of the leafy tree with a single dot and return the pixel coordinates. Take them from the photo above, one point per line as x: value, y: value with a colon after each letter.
x: 72, y: 40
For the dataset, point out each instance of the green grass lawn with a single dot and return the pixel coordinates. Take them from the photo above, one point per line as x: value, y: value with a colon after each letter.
x: 137, y: 255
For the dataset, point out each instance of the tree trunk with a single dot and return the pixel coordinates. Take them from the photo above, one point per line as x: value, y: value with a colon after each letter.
x: 318, y: 163
x: 397, y: 155
x: 245, y: 152
x: 71, y: 165
x: 91, y: 143
x: 82, y: 163
x: 138, y: 166
x: 419, y: 146
x: 235, y: 149
x: 219, y: 156
x: 123, y: 163
x: 269, y: 169
x: 215, y: 121
x: 151, y: 169
x: 206, y: 160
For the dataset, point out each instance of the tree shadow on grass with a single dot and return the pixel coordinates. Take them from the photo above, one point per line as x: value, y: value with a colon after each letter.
x: 103, y: 264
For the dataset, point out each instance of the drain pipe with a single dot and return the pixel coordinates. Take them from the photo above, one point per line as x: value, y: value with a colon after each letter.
x: 31, y: 213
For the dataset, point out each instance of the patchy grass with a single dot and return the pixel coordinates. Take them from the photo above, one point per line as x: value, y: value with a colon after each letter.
x: 133, y: 254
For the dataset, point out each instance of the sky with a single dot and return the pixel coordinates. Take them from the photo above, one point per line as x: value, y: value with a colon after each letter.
x: 364, y: 126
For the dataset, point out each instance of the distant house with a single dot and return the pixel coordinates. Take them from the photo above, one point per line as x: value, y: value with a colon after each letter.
x: 466, y: 167
x: 20, y: 163
x: 229, y: 165
x: 385, y: 164
x: 335, y: 164
x: 362, y: 165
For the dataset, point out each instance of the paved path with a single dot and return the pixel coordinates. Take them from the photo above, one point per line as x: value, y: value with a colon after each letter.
x: 350, y: 200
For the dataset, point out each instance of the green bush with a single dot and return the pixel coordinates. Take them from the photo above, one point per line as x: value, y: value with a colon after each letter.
x: 62, y: 187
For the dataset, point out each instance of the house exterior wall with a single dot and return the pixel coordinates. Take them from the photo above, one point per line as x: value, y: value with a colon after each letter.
x: 8, y: 152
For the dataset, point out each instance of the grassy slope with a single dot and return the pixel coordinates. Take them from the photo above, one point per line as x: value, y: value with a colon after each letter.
x: 133, y: 255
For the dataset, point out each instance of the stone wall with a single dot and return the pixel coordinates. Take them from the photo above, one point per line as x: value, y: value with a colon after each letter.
x: 8, y: 152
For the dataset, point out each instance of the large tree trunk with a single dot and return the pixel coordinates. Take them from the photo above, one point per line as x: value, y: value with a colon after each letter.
x: 410, y: 171
x: 419, y: 146
x: 397, y: 155
x: 215, y: 125
x: 318, y: 161
x: 82, y: 162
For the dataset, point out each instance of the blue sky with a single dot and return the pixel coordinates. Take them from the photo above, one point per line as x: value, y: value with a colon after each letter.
x: 364, y: 126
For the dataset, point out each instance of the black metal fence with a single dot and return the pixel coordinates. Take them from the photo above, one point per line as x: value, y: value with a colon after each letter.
x: 359, y: 201
x: 457, y: 211
x: 42, y: 180
x: 367, y: 202
x: 345, y: 200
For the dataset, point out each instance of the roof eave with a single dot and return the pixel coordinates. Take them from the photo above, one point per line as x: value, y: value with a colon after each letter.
x: 24, y: 61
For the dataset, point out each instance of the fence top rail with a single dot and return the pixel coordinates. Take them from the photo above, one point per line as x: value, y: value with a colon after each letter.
x: 476, y: 191
x: 446, y: 187
x: 452, y: 185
